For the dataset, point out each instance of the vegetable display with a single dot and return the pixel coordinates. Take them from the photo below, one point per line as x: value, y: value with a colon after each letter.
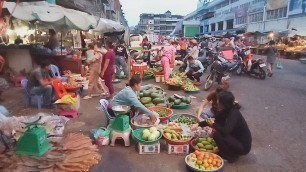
x: 174, y: 135
x: 191, y: 87
x: 186, y: 120
x: 162, y: 112
x: 150, y: 134
x: 179, y: 100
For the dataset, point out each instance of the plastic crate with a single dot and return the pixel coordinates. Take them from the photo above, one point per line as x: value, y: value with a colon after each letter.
x: 178, y: 149
x: 149, y: 148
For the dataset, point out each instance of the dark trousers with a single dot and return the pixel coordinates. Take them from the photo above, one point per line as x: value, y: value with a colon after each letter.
x: 183, y: 53
x: 194, y: 76
x: 229, y: 147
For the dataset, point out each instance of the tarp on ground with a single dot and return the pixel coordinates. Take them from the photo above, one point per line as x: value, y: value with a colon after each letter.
x: 58, y: 16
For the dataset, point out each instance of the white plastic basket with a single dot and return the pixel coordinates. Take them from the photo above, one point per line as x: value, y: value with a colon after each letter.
x: 159, y: 78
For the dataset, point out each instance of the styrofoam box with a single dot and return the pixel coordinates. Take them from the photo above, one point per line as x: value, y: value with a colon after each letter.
x: 149, y: 149
x: 178, y: 149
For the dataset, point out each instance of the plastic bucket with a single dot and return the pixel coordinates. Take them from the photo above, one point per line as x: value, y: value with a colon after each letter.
x: 159, y: 78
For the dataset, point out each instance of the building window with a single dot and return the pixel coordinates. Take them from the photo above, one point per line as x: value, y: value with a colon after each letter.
x: 213, y: 27
x: 277, y: 13
x: 206, y: 28
x: 256, y: 17
x: 241, y: 20
x: 220, y: 25
x: 230, y: 24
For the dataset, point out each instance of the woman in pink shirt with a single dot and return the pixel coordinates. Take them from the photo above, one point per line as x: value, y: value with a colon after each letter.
x: 168, y: 57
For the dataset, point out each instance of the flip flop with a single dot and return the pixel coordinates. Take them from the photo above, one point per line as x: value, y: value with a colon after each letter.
x: 87, y: 97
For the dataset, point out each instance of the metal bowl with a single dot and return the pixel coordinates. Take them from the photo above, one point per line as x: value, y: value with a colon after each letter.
x: 121, y: 109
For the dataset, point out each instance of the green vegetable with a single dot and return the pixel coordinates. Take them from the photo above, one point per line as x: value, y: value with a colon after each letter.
x: 161, y: 104
x: 149, y: 105
x: 158, y: 100
x: 188, y: 100
x: 146, y: 93
x: 140, y: 95
x: 145, y: 100
x: 156, y: 95
x: 162, y: 112
x: 177, y: 101
x: 171, y: 99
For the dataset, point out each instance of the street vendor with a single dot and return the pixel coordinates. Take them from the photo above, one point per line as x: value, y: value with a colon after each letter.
x: 39, y: 83
x: 146, y: 49
x: 168, y: 57
x: 194, y: 70
x: 53, y: 41
x: 231, y: 132
x: 128, y: 97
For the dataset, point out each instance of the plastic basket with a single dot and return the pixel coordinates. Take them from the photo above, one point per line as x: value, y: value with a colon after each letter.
x: 170, y: 112
x: 193, y: 144
x: 137, y: 134
x: 176, y: 142
x: 173, y: 117
x: 195, y: 169
x: 136, y: 126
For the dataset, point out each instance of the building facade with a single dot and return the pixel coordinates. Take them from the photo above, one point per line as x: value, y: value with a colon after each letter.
x: 161, y: 24
x: 220, y: 16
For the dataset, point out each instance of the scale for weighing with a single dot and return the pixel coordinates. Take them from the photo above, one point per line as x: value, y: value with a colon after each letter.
x: 122, y: 120
x: 149, y: 149
x: 33, y: 141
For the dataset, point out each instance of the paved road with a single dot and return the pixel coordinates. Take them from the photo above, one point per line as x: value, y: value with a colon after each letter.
x: 274, y: 109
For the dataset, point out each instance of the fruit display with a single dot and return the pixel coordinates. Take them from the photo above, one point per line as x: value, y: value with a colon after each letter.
x: 150, y: 134
x: 163, y: 112
x: 173, y: 125
x: 175, y: 134
x: 204, y: 161
x: 179, y: 100
x: 191, y: 88
x: 210, y: 120
x: 186, y: 120
x: 152, y: 97
x: 175, y: 81
x: 207, y: 144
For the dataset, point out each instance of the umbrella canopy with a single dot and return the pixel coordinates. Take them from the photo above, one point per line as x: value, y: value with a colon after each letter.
x: 105, y: 25
x: 56, y: 15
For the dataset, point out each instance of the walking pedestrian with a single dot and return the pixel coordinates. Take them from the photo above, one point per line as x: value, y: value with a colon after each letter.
x: 94, y: 57
x: 121, y: 59
x: 108, y: 67
x: 271, y: 57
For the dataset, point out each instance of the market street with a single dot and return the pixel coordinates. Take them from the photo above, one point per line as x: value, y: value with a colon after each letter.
x: 274, y: 109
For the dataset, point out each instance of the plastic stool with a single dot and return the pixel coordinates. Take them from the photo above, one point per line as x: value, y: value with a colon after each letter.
x: 72, y: 114
x: 125, y: 135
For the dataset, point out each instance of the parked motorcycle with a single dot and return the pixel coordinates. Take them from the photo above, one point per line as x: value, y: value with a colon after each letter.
x: 222, y: 67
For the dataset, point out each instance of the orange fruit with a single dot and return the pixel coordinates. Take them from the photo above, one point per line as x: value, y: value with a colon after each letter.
x: 196, y: 152
x: 209, y: 160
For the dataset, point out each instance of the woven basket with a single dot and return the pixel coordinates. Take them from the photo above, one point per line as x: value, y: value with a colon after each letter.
x: 170, y: 112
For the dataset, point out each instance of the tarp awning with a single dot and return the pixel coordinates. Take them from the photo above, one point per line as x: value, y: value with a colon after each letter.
x: 106, y: 25
x: 58, y: 16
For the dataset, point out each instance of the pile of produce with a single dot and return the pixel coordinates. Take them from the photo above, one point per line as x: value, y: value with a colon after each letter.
x: 204, y: 161
x: 174, y: 135
x: 191, y: 87
x: 150, y: 134
x: 206, y: 144
x: 179, y: 100
x: 175, y: 81
x: 148, y: 74
x: 173, y: 125
x: 210, y: 120
x: 162, y: 112
x: 75, y: 153
x: 152, y: 97
x: 186, y: 120
x: 201, y: 132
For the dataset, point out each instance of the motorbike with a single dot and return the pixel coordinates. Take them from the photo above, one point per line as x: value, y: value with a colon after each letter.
x: 222, y: 67
x: 257, y: 66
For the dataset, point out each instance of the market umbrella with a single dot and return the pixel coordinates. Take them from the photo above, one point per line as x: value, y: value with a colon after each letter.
x: 56, y: 15
x: 105, y: 25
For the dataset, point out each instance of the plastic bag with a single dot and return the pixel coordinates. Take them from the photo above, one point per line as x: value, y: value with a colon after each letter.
x: 279, y: 64
x: 100, y: 132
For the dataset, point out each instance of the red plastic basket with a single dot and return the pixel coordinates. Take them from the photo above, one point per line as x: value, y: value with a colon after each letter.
x: 170, y: 112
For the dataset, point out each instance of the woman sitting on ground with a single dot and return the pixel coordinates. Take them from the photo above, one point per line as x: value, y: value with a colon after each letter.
x: 231, y: 132
x: 128, y: 97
